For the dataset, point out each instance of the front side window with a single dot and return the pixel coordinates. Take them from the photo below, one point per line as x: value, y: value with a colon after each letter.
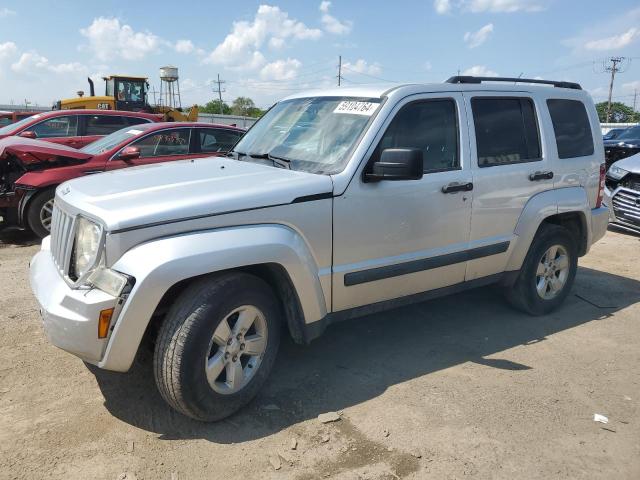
x: 217, y: 140
x: 57, y: 127
x: 430, y: 126
x: 571, y: 127
x: 313, y: 134
x: 506, y: 131
x: 165, y: 143
x: 103, y: 124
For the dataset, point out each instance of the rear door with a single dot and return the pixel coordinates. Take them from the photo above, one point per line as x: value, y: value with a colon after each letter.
x: 61, y: 129
x: 160, y: 146
x: 94, y: 127
x: 510, y: 164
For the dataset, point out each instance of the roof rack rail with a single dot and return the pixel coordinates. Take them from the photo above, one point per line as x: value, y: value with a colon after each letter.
x: 471, y: 79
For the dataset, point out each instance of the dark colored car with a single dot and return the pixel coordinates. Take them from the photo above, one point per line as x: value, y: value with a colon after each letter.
x: 75, y: 128
x: 627, y: 144
x: 30, y: 170
x: 613, y: 133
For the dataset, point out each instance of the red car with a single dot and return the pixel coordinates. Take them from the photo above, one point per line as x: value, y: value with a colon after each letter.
x: 7, y: 118
x: 30, y: 170
x: 75, y: 128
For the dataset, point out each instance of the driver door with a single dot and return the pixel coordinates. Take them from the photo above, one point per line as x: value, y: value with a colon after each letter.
x: 398, y: 238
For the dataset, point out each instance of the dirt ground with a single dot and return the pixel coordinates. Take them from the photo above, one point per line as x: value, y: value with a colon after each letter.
x: 461, y: 387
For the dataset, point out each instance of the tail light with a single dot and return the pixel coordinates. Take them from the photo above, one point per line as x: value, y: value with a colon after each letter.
x: 603, y: 171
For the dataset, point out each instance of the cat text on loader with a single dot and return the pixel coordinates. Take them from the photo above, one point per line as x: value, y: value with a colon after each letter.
x: 126, y: 93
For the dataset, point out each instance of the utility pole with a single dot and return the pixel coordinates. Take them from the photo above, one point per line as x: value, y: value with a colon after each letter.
x: 339, y: 69
x: 220, y: 91
x: 613, y: 68
x: 635, y: 97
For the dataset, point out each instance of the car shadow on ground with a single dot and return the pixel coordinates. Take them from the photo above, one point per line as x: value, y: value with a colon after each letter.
x: 12, y: 237
x: 358, y: 360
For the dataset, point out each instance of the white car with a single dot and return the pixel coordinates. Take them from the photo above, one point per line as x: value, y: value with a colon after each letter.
x: 336, y: 204
x: 622, y: 191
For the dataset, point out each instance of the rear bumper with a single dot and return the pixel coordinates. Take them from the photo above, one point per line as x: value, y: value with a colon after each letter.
x: 599, y: 223
x: 69, y: 317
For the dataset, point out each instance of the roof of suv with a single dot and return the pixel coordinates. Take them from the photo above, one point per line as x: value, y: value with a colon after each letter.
x: 382, y: 90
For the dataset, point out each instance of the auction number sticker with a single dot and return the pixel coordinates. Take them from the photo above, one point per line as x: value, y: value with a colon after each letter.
x: 357, y: 108
x: 134, y: 132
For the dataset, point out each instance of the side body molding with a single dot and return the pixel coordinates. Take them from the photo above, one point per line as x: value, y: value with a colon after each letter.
x: 160, y: 264
x: 541, y: 206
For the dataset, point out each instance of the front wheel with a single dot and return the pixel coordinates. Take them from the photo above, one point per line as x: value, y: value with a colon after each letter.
x: 217, y: 345
x: 547, y: 273
x: 39, y: 212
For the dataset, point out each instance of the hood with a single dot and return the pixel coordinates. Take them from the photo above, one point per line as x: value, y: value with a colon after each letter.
x: 630, y: 164
x: 180, y: 190
x: 30, y: 151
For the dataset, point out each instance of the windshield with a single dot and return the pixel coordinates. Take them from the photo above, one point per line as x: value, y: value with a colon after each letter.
x: 633, y: 132
x: 111, y: 141
x: 14, y: 127
x: 313, y: 134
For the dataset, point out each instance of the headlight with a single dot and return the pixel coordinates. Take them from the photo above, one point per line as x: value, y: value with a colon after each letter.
x: 616, y: 173
x: 86, y: 246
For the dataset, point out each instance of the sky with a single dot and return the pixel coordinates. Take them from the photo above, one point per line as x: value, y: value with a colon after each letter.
x: 268, y: 50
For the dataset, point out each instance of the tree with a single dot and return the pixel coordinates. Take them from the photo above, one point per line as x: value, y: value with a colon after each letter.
x: 242, y: 106
x: 620, y: 113
x: 214, y: 107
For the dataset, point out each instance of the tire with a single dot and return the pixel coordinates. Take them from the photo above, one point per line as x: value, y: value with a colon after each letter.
x: 186, y: 345
x: 531, y: 293
x: 40, y: 205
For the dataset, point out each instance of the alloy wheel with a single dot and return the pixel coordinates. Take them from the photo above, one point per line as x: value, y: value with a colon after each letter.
x: 552, y: 272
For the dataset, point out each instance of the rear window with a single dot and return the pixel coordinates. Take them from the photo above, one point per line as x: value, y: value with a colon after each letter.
x: 571, y: 127
x: 506, y: 130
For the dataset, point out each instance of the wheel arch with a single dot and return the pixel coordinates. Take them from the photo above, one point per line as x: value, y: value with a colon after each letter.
x: 567, y: 207
x: 164, y: 268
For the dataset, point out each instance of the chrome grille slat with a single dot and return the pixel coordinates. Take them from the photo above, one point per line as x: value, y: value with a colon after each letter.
x: 61, y: 238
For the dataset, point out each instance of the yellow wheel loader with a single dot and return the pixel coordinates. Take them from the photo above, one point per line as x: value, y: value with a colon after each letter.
x: 125, y: 93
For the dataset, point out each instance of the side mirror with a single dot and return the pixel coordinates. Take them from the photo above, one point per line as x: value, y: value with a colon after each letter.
x: 129, y: 153
x: 397, y: 164
x: 28, y: 134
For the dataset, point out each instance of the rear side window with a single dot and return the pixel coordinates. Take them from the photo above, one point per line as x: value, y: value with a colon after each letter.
x: 103, y: 124
x: 430, y: 126
x: 571, y: 127
x: 135, y: 120
x: 56, y: 127
x: 506, y: 130
x: 217, y: 140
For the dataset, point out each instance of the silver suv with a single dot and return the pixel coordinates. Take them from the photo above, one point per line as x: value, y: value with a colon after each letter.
x: 337, y: 203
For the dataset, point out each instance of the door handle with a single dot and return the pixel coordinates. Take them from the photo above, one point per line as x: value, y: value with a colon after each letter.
x: 535, y: 176
x: 457, y: 187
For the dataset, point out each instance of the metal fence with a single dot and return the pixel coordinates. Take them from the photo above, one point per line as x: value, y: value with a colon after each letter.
x: 608, y: 126
x: 238, y: 121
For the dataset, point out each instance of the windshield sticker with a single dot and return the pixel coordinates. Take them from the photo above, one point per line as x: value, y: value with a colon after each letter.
x: 357, y: 108
x: 134, y: 132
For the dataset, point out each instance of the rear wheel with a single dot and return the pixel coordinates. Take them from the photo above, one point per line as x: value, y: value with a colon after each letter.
x: 39, y: 212
x: 217, y: 345
x: 547, y: 273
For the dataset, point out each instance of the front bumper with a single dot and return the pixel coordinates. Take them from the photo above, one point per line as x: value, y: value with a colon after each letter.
x: 69, y: 316
x: 624, y: 207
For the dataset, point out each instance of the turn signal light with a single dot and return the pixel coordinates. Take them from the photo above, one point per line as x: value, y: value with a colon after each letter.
x: 603, y: 174
x: 103, y: 322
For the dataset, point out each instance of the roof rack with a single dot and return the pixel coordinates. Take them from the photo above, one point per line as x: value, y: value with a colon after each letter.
x: 470, y: 79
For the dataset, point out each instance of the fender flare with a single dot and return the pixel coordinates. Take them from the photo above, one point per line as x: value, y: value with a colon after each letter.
x: 538, y: 209
x: 159, y: 264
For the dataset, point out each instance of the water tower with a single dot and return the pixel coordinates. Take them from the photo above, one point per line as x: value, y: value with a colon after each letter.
x: 170, y: 87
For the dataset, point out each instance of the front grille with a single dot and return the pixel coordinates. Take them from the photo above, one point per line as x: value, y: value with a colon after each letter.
x: 61, y: 238
x: 626, y: 206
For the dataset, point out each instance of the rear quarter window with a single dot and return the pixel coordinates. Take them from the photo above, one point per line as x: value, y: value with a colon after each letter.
x: 571, y: 127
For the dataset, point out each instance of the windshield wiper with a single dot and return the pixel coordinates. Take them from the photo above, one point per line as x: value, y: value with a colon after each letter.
x: 277, y: 161
x: 239, y: 154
